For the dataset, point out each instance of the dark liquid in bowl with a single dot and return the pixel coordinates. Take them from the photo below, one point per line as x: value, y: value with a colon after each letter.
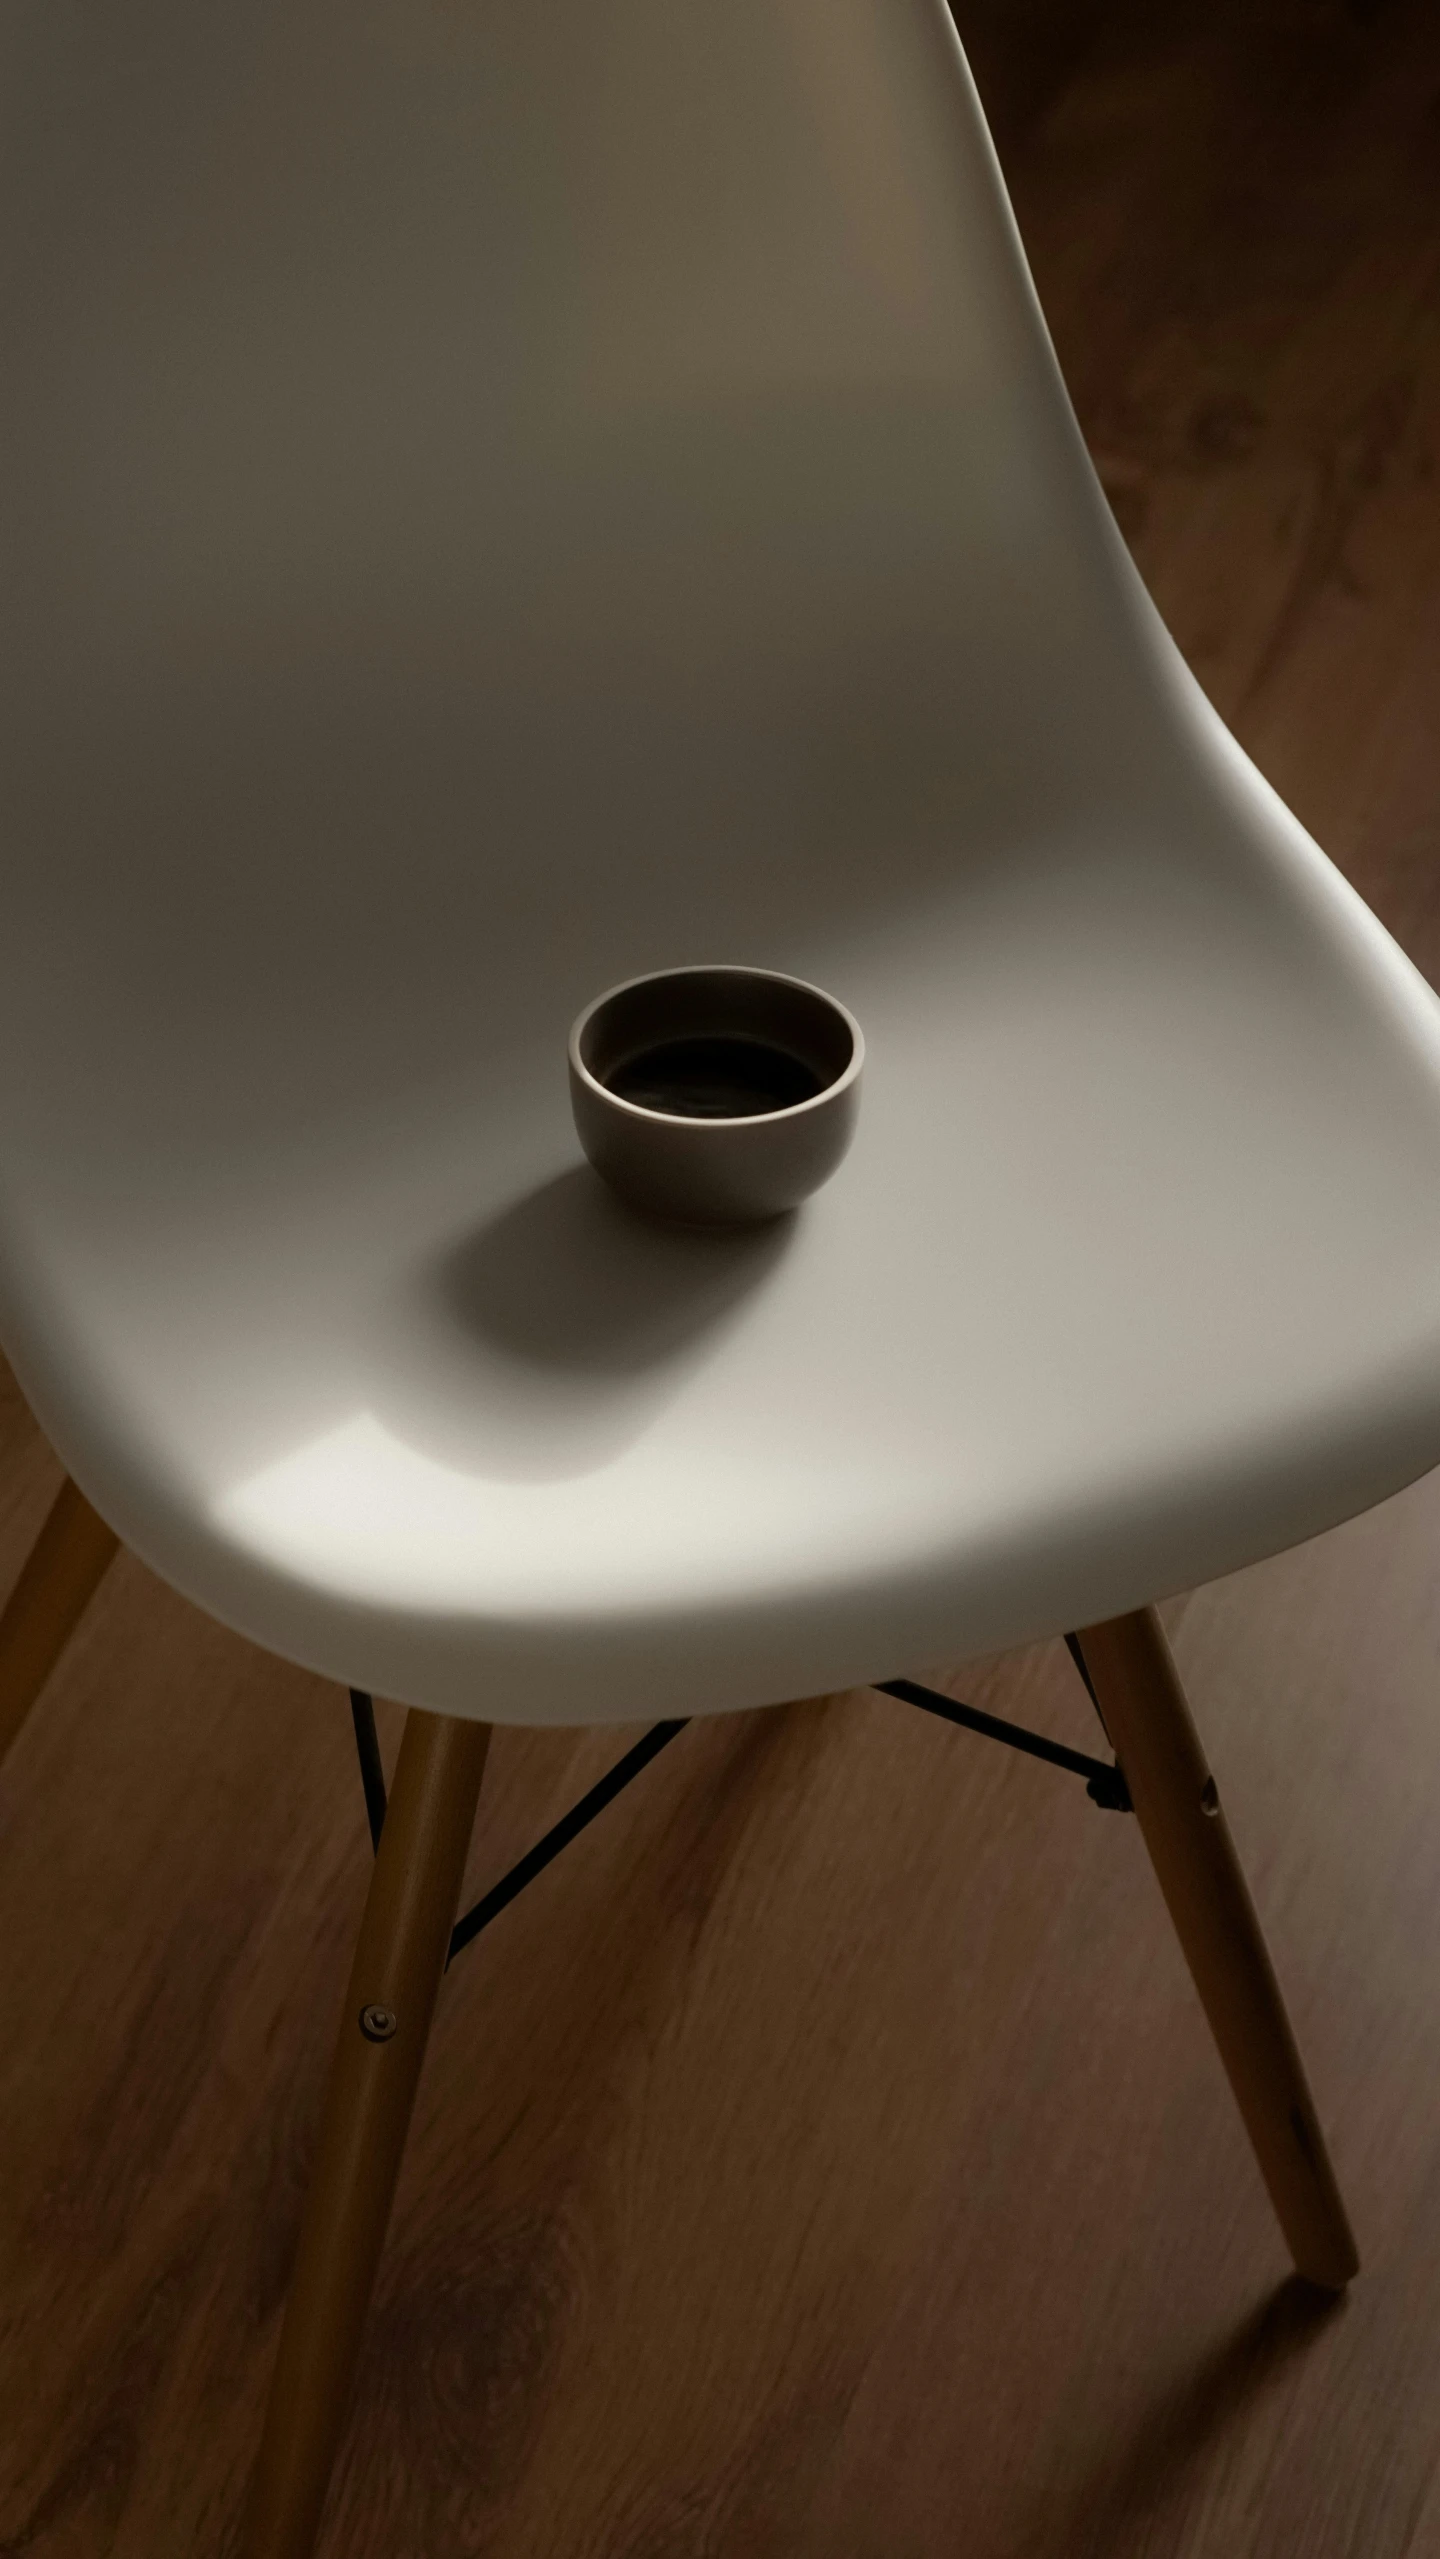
x: 714, y: 1079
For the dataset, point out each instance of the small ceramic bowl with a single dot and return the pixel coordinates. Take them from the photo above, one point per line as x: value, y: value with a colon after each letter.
x: 719, y: 1096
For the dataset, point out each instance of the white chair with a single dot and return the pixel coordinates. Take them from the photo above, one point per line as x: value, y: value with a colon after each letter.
x: 505, y: 499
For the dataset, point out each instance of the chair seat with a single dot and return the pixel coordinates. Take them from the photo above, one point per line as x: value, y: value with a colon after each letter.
x: 440, y: 593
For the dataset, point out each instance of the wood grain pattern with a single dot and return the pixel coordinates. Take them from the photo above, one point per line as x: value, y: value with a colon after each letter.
x: 58, y: 1580
x: 385, y: 2020
x: 1192, y: 1849
x: 827, y: 2159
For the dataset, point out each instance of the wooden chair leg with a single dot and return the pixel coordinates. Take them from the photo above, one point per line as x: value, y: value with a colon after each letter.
x: 399, y: 1961
x: 1175, y: 1799
x: 58, y: 1580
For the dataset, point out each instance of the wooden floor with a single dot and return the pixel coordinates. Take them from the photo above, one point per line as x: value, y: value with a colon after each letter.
x: 827, y: 2159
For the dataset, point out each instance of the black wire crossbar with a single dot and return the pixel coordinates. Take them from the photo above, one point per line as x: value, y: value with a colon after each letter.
x: 1072, y: 1647
x: 536, y: 1859
x: 372, y: 1767
x: 569, y: 1827
x: 1104, y: 1780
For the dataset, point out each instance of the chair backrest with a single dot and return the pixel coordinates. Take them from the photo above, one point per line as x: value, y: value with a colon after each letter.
x: 504, y: 494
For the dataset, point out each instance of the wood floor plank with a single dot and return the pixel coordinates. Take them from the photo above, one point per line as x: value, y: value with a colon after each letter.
x: 826, y: 2157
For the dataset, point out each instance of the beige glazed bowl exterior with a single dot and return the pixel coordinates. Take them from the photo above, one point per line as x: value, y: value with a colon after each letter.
x: 716, y: 1172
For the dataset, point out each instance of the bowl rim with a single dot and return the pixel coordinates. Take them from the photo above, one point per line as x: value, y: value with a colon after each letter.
x: 849, y: 1075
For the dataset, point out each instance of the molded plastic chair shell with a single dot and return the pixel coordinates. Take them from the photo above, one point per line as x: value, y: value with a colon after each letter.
x: 503, y: 500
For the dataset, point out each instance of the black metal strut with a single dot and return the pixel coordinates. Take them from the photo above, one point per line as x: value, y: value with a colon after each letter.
x: 372, y: 1767
x: 1104, y: 1780
x: 490, y: 1904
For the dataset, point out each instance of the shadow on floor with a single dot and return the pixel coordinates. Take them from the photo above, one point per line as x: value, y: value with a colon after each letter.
x: 1185, y: 2423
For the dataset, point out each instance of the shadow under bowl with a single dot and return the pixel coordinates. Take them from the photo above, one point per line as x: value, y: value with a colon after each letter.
x: 719, y: 1096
